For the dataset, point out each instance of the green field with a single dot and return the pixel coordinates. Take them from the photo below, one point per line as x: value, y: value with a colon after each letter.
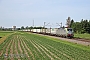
x: 4, y: 35
x: 86, y: 36
x: 28, y: 46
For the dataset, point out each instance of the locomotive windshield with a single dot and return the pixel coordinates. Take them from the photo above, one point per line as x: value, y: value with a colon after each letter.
x: 69, y: 29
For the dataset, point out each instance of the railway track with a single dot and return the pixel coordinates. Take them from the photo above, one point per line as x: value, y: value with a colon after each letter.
x: 75, y: 40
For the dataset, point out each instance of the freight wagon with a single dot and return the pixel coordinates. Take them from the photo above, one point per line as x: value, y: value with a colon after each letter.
x: 62, y: 32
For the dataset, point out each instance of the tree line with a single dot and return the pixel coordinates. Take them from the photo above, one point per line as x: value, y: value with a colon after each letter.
x: 81, y: 27
x: 30, y: 27
x: 21, y: 28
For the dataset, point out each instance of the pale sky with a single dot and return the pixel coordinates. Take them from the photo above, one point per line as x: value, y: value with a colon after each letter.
x: 23, y: 12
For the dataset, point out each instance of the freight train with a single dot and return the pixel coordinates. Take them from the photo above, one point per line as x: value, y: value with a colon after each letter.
x: 61, y: 32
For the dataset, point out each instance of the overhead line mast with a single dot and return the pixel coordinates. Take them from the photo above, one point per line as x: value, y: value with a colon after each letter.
x: 33, y: 22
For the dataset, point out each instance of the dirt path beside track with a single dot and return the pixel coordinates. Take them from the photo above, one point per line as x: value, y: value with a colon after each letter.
x: 76, y: 41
